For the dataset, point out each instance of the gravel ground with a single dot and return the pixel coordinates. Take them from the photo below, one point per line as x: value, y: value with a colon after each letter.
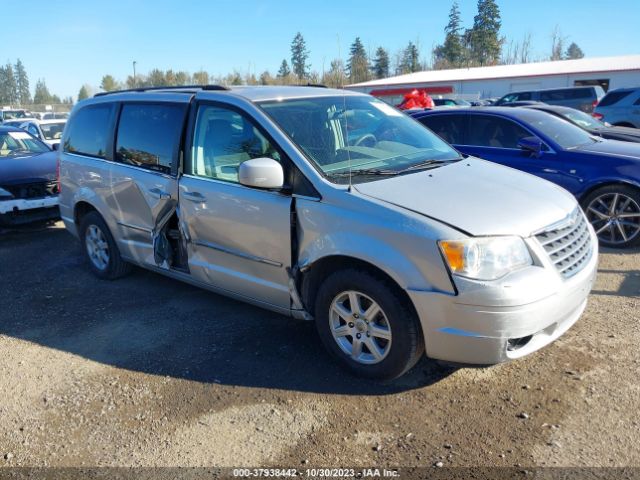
x: 148, y: 371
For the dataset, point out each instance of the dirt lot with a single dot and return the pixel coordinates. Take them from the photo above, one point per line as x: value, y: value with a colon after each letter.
x: 147, y: 371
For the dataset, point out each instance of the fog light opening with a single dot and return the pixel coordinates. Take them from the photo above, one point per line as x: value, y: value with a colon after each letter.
x: 514, y: 344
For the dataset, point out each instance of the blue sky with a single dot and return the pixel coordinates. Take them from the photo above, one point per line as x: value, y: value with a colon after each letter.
x: 78, y: 41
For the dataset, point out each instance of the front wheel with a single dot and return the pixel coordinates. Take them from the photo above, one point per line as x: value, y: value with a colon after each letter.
x: 366, y: 325
x: 614, y: 212
x: 100, y: 248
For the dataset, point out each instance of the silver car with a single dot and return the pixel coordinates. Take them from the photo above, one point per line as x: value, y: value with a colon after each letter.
x: 330, y: 206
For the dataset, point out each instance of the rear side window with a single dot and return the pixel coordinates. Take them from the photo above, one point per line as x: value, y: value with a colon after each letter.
x: 492, y: 131
x: 89, y: 131
x: 149, y: 135
x: 612, y: 98
x: 448, y: 127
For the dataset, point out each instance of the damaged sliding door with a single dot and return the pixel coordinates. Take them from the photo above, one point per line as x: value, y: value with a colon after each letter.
x: 144, y: 188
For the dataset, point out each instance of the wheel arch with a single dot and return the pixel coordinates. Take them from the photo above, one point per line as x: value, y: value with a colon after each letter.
x: 606, y: 183
x: 312, y: 275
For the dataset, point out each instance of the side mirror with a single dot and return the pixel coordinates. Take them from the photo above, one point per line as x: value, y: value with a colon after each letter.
x: 533, y: 145
x: 261, y: 173
x: 55, y: 146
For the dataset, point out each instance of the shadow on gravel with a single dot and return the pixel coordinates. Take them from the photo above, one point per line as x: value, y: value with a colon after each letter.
x: 152, y: 324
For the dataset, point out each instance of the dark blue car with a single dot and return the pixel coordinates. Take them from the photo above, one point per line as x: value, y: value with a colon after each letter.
x: 604, y: 175
x: 28, y: 179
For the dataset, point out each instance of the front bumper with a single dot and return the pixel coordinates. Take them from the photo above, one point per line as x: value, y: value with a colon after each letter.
x: 19, y: 211
x: 491, y: 322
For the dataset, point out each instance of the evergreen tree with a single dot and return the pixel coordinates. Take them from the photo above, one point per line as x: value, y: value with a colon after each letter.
x: 22, y: 84
x: 573, y: 52
x: 381, y: 63
x: 183, y: 78
x: 358, y: 64
x: 8, y: 85
x: 452, y: 51
x: 284, y: 71
x: 83, y: 94
x: 170, y: 78
x: 109, y: 84
x: 156, y: 78
x: 410, y: 61
x: 41, y: 95
x: 485, y: 41
x: 299, y: 57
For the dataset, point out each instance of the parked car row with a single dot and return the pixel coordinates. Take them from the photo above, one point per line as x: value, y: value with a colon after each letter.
x: 48, y: 131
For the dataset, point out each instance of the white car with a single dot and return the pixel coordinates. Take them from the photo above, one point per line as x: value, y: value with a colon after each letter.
x: 49, y: 131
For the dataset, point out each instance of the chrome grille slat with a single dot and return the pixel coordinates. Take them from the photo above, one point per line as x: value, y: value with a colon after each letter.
x: 569, y: 247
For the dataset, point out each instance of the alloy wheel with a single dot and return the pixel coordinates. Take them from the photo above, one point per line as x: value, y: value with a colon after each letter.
x: 360, y: 327
x: 615, y: 217
x: 97, y: 247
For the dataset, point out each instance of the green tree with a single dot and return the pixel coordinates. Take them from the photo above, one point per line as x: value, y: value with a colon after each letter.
x: 410, y: 60
x: 358, y: 63
x: 8, y: 86
x: 380, y: 66
x: 41, y: 95
x: 22, y: 84
x: 573, y: 52
x: 485, y: 41
x: 451, y: 52
x: 83, y: 94
x: 67, y: 100
x: 109, y: 84
x: 201, y: 78
x: 284, y: 71
x: 170, y: 78
x: 299, y: 57
x: 265, y: 78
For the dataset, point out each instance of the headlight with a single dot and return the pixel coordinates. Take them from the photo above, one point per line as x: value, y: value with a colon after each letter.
x: 4, y: 194
x: 486, y: 258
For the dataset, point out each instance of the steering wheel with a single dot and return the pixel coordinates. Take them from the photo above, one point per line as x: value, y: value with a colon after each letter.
x: 368, y: 137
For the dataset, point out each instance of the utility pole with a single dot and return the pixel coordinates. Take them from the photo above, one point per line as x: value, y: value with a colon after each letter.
x: 135, y: 83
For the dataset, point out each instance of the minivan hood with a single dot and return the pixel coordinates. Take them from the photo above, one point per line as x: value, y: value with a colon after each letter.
x: 477, y: 197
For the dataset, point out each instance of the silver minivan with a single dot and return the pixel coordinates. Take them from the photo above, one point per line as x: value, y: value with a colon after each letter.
x: 330, y: 206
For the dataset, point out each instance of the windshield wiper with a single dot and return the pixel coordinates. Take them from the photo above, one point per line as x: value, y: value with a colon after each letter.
x: 428, y: 163
x: 364, y: 171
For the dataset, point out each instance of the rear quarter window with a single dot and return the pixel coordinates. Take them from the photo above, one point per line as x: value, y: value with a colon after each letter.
x: 612, y: 98
x: 90, y: 130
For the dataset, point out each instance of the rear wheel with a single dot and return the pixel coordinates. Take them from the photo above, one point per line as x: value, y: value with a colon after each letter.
x: 100, y: 248
x: 366, y: 325
x: 614, y: 212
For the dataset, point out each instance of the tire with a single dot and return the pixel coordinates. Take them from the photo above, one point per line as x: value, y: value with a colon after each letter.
x: 619, y: 228
x: 396, y: 320
x: 95, y: 235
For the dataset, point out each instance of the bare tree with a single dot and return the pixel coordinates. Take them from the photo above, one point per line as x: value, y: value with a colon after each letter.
x: 557, y: 44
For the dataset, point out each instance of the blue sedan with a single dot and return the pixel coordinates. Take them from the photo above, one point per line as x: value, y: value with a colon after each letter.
x: 604, y: 175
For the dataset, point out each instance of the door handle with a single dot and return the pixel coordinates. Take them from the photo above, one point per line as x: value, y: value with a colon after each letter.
x: 549, y: 170
x: 195, y: 197
x: 161, y: 194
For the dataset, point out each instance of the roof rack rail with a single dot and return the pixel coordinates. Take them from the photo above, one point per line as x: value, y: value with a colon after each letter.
x: 178, y: 88
x: 316, y: 85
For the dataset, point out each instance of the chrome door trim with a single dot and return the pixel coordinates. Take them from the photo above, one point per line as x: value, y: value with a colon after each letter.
x: 238, y: 253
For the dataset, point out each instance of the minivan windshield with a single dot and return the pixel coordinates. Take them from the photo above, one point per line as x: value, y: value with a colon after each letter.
x: 358, y: 136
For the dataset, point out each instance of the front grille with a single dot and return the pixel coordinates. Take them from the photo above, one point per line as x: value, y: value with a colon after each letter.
x: 568, y: 246
x: 32, y: 190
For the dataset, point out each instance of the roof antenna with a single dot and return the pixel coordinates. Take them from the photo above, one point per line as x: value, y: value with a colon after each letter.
x: 344, y: 115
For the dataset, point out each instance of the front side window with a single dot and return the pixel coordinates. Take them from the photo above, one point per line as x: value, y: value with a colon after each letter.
x: 358, y: 136
x: 149, y: 135
x: 493, y: 131
x: 89, y: 131
x: 223, y: 139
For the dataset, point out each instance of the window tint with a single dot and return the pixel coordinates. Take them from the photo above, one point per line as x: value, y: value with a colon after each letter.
x: 524, y: 96
x: 448, y: 127
x: 491, y: 131
x: 566, y: 94
x: 223, y: 139
x: 148, y: 135
x: 613, y: 97
x: 89, y: 131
